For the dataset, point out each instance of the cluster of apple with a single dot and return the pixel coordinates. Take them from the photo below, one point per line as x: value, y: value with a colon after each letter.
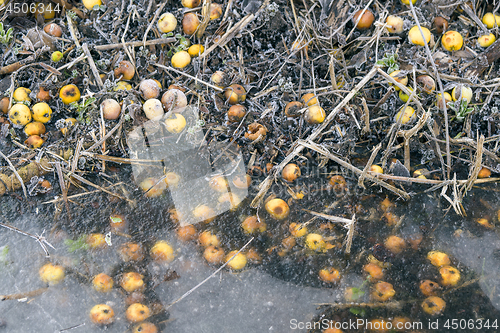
x: 131, y: 282
x: 167, y: 23
x: 450, y: 41
x: 34, y: 120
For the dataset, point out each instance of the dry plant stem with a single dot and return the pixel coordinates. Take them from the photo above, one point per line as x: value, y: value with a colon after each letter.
x: 148, y: 42
x: 264, y: 187
x: 77, y: 195
x: 368, y: 165
x: 226, y: 12
x: 189, y: 76
x: 15, y: 173
x: 438, y: 149
x: 155, y: 18
x: 349, y: 224
x: 62, y: 184
x: 473, y: 16
x: 92, y: 66
x: 78, y: 149
x: 71, y: 328
x: 366, y: 128
x: 68, y: 65
x: 392, y: 137
x: 190, y: 291
x: 473, y: 144
x: 49, y: 68
x: 476, y: 168
x: 470, y: 144
x: 432, y: 181
x: 102, y: 130
x: 384, y: 99
x: 353, y: 115
x: 18, y: 296
x: 122, y: 160
x: 17, y: 66
x: 332, y: 74
x: 83, y: 180
x: 352, y: 168
x: 39, y: 238
x: 350, y: 234
x: 205, y: 14
x: 412, y: 94
x: 132, y: 60
x: 113, y: 130
x: 359, y: 19
x: 72, y: 30
x: 441, y: 91
x: 297, y: 25
x: 71, y: 64
x: 411, y: 132
x: 74, y: 163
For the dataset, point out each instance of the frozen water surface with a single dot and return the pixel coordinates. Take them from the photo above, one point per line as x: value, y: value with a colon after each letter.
x: 250, y: 301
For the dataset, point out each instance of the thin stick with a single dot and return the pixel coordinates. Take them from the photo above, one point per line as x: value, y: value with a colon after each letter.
x: 92, y: 66
x: 123, y: 160
x: 114, y: 129
x: 72, y: 327
x: 39, y: 238
x: 349, y: 224
x: 83, y: 180
x: 405, y: 89
x: 189, y: 76
x: 132, y: 61
x: 72, y: 30
x: 62, y: 184
x: 369, y: 165
x: 18, y: 296
x: 366, y: 129
x: 476, y: 168
x: 205, y: 14
x: 208, y: 278
x: 158, y: 11
x: 78, y: 195
x: 149, y: 42
x: 388, y: 305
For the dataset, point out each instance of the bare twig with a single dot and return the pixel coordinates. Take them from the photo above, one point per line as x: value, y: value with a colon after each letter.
x: 148, y: 42
x: 39, y: 238
x: 475, y: 168
x: 348, y: 224
x: 18, y: 296
x: 64, y: 190
x: 189, y: 76
x: 92, y: 65
x: 190, y: 291
x: 369, y: 165
x: 153, y: 21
